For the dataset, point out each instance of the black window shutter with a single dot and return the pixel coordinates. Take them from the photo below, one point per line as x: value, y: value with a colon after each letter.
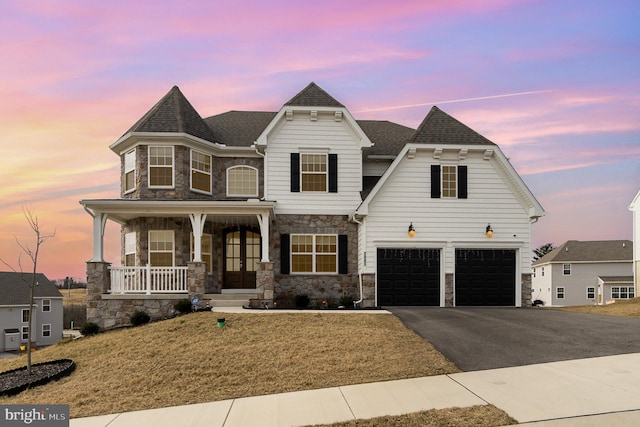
x: 435, y: 181
x: 462, y: 182
x: 333, y: 173
x: 295, y: 172
x: 285, y: 267
x: 343, y: 254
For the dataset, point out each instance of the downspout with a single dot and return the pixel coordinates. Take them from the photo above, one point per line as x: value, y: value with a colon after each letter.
x: 355, y: 303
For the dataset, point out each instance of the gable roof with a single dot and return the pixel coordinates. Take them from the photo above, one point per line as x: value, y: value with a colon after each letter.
x: 313, y: 96
x: 14, y: 290
x: 174, y: 113
x: 440, y: 128
x: 589, y: 251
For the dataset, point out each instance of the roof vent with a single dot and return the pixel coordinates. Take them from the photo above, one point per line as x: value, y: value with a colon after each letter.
x: 624, y: 244
x: 566, y: 249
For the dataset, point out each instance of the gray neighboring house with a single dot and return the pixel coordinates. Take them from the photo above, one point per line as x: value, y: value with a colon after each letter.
x: 14, y: 310
x: 635, y: 208
x: 583, y: 273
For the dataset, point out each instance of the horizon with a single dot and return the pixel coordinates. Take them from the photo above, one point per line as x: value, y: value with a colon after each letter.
x: 556, y: 88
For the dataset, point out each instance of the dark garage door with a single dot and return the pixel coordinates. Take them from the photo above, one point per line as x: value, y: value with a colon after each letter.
x: 408, y: 277
x: 485, y: 277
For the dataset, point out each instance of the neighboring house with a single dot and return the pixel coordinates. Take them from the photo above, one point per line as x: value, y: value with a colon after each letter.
x: 14, y: 310
x: 309, y: 200
x: 583, y: 273
x: 635, y: 208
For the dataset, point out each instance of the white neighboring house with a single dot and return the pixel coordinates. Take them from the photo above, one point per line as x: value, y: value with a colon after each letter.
x: 583, y: 273
x: 14, y: 311
x: 635, y: 208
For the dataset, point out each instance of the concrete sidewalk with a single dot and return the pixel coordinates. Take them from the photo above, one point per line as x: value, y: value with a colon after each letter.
x: 585, y: 392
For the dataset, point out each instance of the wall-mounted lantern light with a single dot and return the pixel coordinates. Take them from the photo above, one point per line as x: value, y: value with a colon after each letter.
x: 412, y: 231
x: 489, y: 231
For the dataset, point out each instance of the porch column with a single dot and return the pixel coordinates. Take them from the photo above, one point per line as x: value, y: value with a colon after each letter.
x: 99, y: 222
x: 197, y: 225
x: 263, y: 220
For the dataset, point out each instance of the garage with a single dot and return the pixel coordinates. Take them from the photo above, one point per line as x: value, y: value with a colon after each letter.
x: 485, y: 277
x: 409, y: 277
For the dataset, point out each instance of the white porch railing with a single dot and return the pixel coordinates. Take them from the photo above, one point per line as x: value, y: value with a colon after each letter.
x: 148, y: 280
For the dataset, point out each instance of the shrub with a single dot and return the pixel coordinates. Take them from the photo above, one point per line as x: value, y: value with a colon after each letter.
x: 183, y: 306
x: 89, y: 328
x: 347, y: 301
x: 302, y: 300
x: 139, y: 318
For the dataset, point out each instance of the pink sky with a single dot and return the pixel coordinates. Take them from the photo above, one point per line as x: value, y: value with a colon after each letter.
x: 555, y: 86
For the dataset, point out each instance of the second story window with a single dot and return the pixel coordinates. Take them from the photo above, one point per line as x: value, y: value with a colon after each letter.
x: 242, y: 181
x: 161, y: 167
x: 448, y: 181
x: 130, y: 171
x: 314, y: 172
x: 200, y: 172
x: 566, y: 269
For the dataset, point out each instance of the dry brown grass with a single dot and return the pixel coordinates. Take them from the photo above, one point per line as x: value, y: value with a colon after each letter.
x: 621, y: 308
x: 475, y: 416
x: 74, y: 296
x: 190, y: 360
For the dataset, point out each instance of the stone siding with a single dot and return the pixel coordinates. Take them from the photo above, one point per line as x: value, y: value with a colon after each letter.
x: 318, y: 287
x: 526, y: 290
x: 448, y: 290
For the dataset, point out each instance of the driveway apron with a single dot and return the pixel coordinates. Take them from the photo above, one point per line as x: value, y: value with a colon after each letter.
x: 481, y: 338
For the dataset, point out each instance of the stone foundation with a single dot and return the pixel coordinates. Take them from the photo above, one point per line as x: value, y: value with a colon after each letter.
x: 526, y: 290
x: 448, y: 290
x: 368, y: 290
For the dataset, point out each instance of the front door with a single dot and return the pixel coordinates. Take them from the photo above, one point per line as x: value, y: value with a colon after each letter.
x: 241, y: 255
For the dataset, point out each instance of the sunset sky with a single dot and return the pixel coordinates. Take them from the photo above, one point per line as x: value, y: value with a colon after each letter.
x: 556, y: 84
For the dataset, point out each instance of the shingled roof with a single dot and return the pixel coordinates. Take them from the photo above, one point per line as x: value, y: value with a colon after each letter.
x: 440, y: 128
x: 15, y: 291
x: 388, y: 137
x: 174, y: 113
x: 313, y: 96
x: 239, y: 128
x: 589, y: 251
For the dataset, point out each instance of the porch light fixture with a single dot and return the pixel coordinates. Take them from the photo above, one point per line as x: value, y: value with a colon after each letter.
x: 412, y: 231
x: 489, y: 231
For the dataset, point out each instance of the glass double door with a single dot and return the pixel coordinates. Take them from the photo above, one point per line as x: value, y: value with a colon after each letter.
x: 242, y: 252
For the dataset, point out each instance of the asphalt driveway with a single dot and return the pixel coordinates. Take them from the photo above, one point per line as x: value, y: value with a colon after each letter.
x: 487, y: 338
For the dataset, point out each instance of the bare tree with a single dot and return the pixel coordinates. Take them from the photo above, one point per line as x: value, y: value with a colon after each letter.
x: 32, y: 252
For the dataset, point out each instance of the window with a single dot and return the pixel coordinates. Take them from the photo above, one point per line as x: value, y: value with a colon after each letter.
x: 130, y: 249
x: 207, y: 249
x: 542, y: 271
x: 622, y: 292
x: 242, y: 181
x: 449, y: 181
x: 200, y: 172
x: 560, y: 293
x: 566, y: 269
x: 46, y: 330
x: 591, y: 292
x: 25, y: 315
x: 161, y: 167
x: 161, y: 248
x: 46, y: 305
x: 130, y: 171
x: 314, y: 172
x: 314, y: 253
x: 25, y: 333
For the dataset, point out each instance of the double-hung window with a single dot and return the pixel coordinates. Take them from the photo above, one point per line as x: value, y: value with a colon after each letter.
x: 313, y: 171
x: 242, y: 181
x: 130, y: 249
x: 46, y: 305
x: 160, y: 167
x: 591, y: 292
x: 200, y: 172
x: 161, y: 247
x: 130, y: 171
x: 560, y: 292
x: 566, y: 269
x: 46, y: 330
x: 314, y: 253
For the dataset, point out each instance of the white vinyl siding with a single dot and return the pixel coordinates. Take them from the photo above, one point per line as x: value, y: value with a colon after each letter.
x: 301, y: 135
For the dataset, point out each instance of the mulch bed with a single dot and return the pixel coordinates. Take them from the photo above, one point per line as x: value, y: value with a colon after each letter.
x: 17, y: 380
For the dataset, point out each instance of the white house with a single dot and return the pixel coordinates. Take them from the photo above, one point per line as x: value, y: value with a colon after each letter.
x: 584, y: 273
x: 635, y: 208
x: 310, y: 200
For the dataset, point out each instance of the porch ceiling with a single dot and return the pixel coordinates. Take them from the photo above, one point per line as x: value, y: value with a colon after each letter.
x: 122, y: 210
